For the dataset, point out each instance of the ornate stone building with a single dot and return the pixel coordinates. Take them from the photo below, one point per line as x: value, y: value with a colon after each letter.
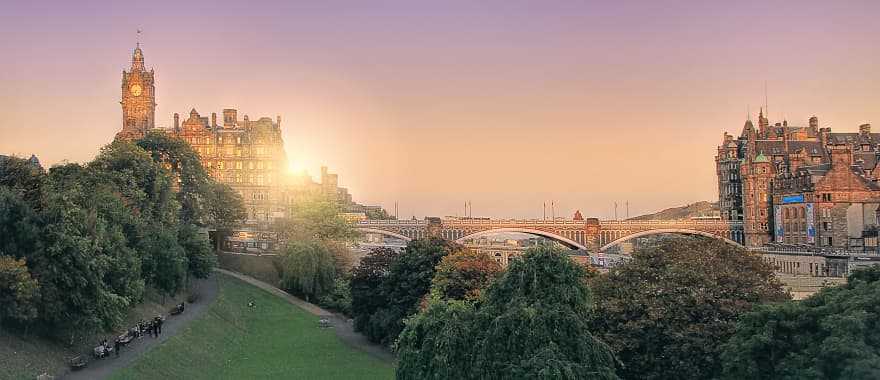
x: 138, y: 99
x: 801, y: 185
x: 247, y: 155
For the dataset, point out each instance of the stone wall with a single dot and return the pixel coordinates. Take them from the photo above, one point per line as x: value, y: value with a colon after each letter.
x: 262, y: 267
x: 804, y: 286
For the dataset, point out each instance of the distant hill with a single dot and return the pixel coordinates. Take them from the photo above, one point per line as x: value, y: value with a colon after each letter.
x: 702, y: 208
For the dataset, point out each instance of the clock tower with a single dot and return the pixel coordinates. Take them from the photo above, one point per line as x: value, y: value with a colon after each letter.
x: 138, y: 99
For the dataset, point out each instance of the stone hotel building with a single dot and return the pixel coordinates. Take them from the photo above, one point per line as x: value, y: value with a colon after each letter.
x: 801, y: 185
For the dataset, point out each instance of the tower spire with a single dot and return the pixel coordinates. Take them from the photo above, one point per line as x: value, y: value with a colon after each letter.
x: 137, y: 58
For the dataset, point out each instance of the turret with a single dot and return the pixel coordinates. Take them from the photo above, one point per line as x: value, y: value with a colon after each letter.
x: 137, y: 59
x: 763, y: 124
x: 176, y: 122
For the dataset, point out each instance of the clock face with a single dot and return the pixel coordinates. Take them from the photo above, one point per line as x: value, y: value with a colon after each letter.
x: 136, y: 89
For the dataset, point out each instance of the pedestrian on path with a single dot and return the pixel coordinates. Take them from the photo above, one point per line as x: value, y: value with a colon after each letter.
x: 158, y: 326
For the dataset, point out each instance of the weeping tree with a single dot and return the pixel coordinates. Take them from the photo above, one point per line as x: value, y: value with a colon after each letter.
x: 530, y: 323
x: 309, y: 269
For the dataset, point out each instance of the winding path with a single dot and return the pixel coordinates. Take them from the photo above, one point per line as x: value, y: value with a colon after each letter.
x: 102, y: 368
x: 341, y: 325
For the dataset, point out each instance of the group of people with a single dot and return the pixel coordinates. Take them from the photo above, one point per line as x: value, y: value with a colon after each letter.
x: 152, y: 327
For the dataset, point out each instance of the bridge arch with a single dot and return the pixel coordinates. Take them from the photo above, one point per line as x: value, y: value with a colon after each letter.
x: 383, y: 232
x: 549, y: 235
x: 669, y: 231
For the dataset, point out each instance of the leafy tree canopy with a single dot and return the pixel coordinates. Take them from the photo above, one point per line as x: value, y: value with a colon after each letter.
x: 366, y: 285
x: 399, y: 293
x: 530, y: 323
x: 23, y: 177
x: 834, y: 334
x: 463, y: 275
x: 195, y: 186
x: 19, y: 292
x: 665, y: 312
x: 19, y: 228
x: 316, y: 217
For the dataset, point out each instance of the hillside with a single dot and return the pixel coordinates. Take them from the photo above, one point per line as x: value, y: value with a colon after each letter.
x: 702, y: 208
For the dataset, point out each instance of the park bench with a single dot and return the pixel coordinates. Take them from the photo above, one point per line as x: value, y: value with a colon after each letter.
x: 77, y: 362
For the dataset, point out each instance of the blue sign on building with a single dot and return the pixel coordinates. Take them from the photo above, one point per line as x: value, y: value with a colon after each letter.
x: 793, y: 199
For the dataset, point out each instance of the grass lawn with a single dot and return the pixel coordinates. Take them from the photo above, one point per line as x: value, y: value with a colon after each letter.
x: 275, y: 340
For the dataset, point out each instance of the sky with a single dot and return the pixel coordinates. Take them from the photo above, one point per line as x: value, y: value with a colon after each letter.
x: 506, y: 104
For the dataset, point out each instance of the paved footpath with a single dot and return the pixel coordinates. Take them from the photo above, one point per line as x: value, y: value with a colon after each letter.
x: 102, y: 368
x: 341, y: 325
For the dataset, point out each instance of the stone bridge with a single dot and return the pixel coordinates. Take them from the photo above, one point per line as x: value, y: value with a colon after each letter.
x: 590, y: 234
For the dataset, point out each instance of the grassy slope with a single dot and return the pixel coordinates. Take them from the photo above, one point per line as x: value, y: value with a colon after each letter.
x: 273, y: 340
x: 25, y: 357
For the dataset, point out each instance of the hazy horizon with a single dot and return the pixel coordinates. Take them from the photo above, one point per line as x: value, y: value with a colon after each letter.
x: 505, y: 104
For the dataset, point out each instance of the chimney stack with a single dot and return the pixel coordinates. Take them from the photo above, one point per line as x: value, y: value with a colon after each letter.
x: 213, y: 120
x: 230, y: 117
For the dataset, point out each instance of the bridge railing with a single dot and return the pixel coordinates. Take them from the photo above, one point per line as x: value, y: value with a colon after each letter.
x: 392, y: 222
x: 674, y: 222
x: 513, y: 221
x: 539, y: 222
x: 814, y: 251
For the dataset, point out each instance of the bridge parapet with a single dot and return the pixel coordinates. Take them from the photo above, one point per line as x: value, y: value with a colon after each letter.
x: 589, y: 234
x: 673, y: 222
x: 394, y: 222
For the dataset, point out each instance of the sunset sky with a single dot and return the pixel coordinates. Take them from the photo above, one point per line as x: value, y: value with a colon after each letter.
x: 507, y: 104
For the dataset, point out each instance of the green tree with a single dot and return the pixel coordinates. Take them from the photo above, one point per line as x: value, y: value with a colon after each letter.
x: 200, y: 259
x: 438, y: 342
x: 19, y: 228
x: 24, y: 178
x: 316, y: 217
x: 194, y: 185
x: 402, y: 290
x: 167, y: 261
x: 530, y: 323
x: 145, y: 185
x: 378, y: 214
x: 339, y: 297
x: 71, y: 267
x: 665, y: 312
x: 834, y: 334
x: 463, y: 275
x: 367, y: 292
x: 309, y: 269
x: 226, y: 211
x: 19, y: 292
